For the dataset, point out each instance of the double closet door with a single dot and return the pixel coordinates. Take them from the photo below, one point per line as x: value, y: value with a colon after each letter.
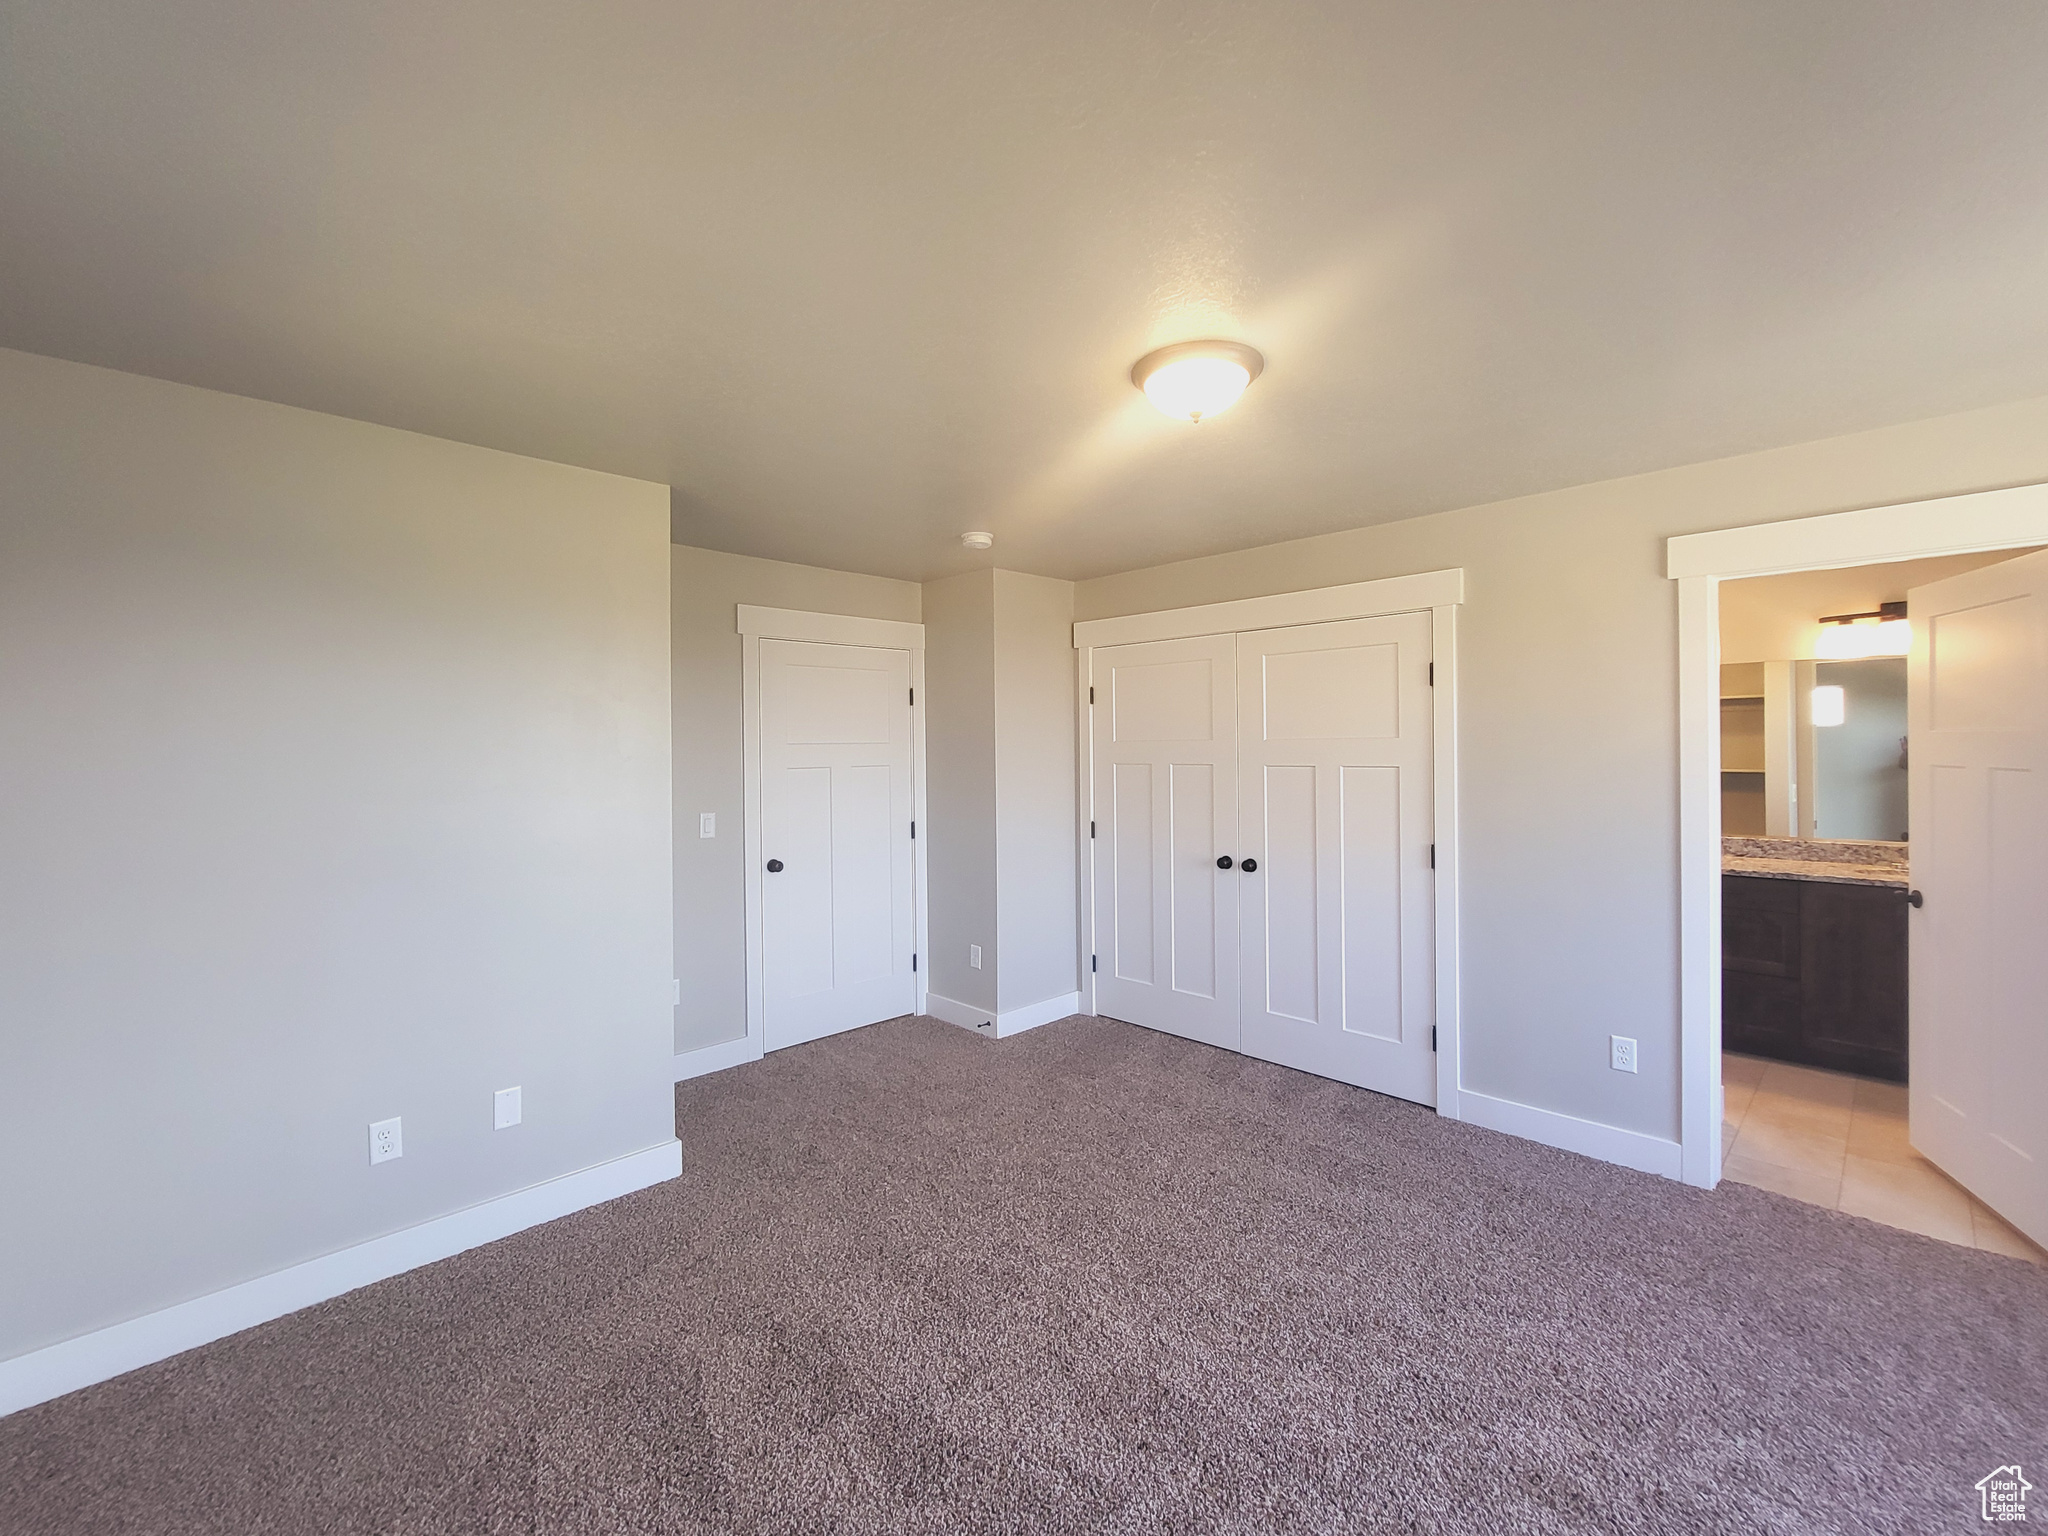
x: 1262, y: 867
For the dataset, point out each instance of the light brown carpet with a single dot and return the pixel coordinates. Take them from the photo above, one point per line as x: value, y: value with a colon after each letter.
x: 1094, y: 1279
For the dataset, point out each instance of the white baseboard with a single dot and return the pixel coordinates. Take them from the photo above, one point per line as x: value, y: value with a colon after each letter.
x: 59, y: 1368
x: 948, y: 1011
x: 1001, y: 1025
x: 1609, y: 1143
x: 1017, y: 1020
x: 716, y: 1058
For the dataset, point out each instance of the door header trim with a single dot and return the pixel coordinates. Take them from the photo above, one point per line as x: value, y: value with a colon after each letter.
x: 1357, y: 600
x: 1910, y: 530
x: 828, y: 628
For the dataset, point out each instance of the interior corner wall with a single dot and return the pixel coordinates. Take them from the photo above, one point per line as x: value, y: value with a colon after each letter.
x: 960, y: 785
x: 1568, y: 725
x: 1036, y: 907
x: 337, y: 788
x: 710, y: 774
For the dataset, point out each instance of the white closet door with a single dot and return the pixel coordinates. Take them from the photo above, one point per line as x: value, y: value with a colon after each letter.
x: 1165, y: 797
x: 837, y: 886
x: 1334, y: 728
x: 1977, y: 777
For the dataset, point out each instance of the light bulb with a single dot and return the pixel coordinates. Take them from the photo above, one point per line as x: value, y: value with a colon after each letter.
x: 1862, y: 640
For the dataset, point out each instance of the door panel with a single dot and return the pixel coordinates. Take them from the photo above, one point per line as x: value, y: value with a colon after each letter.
x: 1369, y: 800
x: 1165, y: 797
x: 1978, y: 716
x: 1337, y: 939
x: 1131, y: 859
x: 838, y: 918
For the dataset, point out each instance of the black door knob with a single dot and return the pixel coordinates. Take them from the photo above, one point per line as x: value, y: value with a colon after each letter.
x: 1224, y: 862
x: 1249, y: 865
x: 1915, y: 899
x: 775, y: 866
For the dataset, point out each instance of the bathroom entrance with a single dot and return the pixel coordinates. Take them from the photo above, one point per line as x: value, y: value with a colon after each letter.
x: 1828, y: 1093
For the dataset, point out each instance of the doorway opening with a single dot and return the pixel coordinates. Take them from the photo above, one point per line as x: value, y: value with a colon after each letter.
x: 1977, y: 828
x: 1817, y: 886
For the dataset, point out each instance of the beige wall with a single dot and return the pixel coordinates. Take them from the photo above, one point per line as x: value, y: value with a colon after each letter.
x: 710, y: 874
x: 1568, y: 722
x: 960, y: 794
x: 336, y: 766
x: 1036, y: 905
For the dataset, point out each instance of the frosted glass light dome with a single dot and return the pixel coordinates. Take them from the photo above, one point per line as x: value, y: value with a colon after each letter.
x: 1194, y: 379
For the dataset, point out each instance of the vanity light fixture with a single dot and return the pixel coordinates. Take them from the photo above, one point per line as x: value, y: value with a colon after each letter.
x: 1859, y: 636
x: 1193, y: 379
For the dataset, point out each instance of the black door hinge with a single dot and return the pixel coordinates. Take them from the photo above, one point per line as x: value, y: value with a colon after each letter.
x: 1432, y: 1037
x: 1091, y: 693
x: 913, y: 831
x: 913, y: 698
x: 1432, y: 855
x: 1432, y: 674
x: 1091, y: 828
x: 913, y: 961
x: 1091, y: 964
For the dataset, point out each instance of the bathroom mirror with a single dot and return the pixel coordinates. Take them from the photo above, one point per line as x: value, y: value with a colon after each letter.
x: 1815, y: 749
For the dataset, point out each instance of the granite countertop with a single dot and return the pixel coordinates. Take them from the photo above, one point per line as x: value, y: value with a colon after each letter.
x: 1791, y: 858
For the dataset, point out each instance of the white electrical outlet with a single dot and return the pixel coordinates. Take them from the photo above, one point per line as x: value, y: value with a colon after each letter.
x: 504, y: 1108
x: 974, y: 956
x: 386, y: 1140
x: 1621, y: 1053
x: 707, y: 824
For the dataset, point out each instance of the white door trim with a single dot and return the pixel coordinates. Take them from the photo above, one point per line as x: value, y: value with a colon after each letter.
x: 756, y: 625
x: 829, y: 628
x: 1439, y: 593
x: 1358, y: 600
x: 1699, y: 563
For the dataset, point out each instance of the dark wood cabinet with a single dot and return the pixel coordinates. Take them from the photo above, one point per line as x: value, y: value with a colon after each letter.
x: 1815, y: 972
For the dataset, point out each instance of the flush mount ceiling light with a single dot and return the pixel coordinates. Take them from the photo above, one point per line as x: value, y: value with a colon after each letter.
x: 978, y: 540
x: 1858, y: 636
x: 1193, y: 379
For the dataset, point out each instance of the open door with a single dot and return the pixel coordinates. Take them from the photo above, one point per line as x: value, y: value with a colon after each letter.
x: 1977, y: 777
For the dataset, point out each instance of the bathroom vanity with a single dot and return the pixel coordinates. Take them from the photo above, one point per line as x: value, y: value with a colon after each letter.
x: 1813, y: 953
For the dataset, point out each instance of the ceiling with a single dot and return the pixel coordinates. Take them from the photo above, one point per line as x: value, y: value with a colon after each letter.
x: 854, y: 277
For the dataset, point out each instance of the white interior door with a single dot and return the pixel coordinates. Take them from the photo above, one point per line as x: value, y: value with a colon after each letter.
x: 1334, y: 746
x: 1977, y: 710
x: 1165, y: 801
x: 838, y: 896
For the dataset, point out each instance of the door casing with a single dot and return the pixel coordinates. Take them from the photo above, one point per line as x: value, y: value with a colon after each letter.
x: 1438, y: 593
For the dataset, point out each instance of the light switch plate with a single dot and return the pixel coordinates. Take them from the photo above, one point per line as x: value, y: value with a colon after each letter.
x: 707, y: 824
x: 505, y: 1108
x: 974, y: 956
x: 387, y: 1140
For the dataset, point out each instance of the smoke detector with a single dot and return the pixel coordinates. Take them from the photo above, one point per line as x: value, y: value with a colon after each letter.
x: 978, y: 540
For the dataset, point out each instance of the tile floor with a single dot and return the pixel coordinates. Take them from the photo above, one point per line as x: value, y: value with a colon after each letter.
x: 1840, y: 1141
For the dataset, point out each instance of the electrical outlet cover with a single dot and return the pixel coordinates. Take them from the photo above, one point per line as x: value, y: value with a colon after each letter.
x: 387, y: 1140
x: 1621, y: 1053
x: 974, y: 956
